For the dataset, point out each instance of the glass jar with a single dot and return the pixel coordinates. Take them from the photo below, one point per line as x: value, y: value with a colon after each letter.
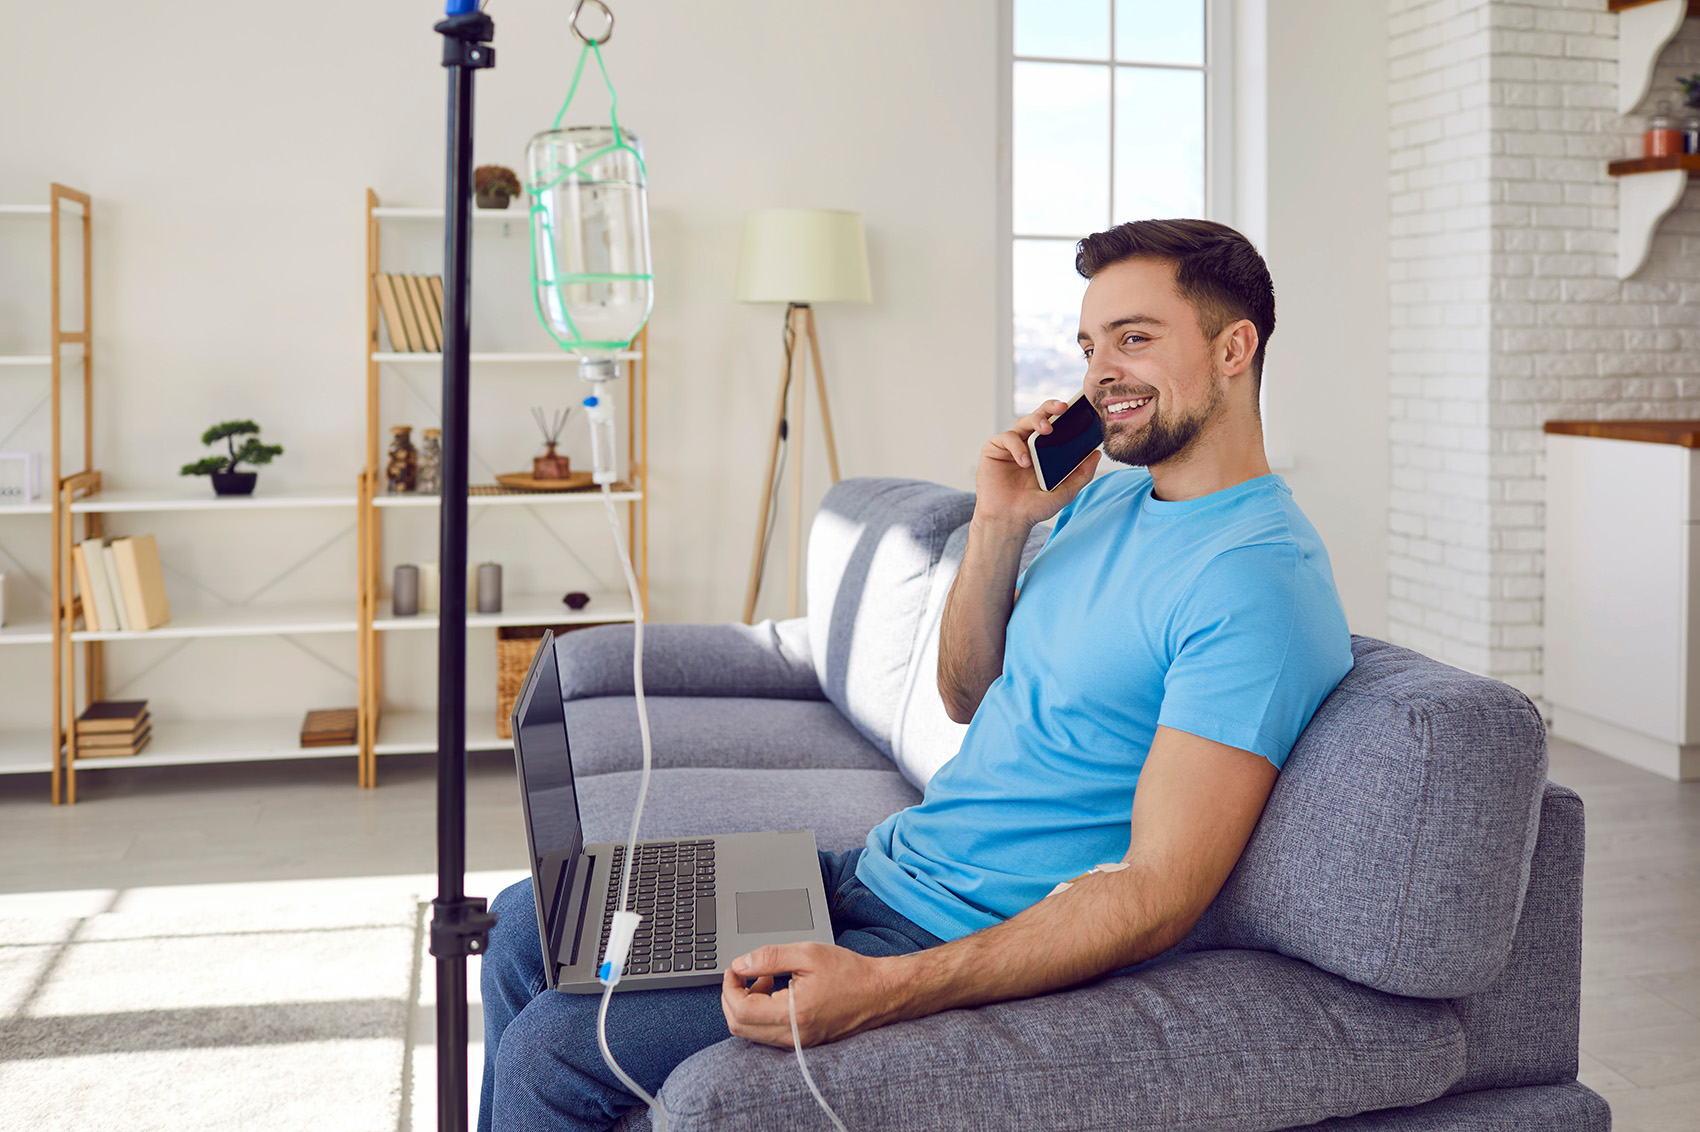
x: 431, y: 463
x: 402, y: 471
x: 1691, y: 133
x: 1664, y: 136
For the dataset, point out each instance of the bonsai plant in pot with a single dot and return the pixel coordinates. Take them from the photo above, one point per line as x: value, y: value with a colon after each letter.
x: 494, y: 185
x: 226, y: 479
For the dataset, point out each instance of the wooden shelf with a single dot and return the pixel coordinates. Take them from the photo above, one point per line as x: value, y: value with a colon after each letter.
x: 242, y: 621
x: 519, y: 358
x: 27, y: 633
x: 1630, y: 166
x: 26, y: 752
x: 185, y: 742
x: 623, y: 493
x: 520, y: 609
x: 1683, y: 434
x: 1625, y: 5
x: 415, y: 732
x: 200, y: 497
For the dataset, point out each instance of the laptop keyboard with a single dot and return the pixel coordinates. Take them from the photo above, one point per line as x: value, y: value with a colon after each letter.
x: 673, y: 890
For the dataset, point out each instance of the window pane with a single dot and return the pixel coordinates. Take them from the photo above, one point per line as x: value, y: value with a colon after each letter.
x: 1048, y: 362
x: 1159, y: 31
x: 1159, y: 143
x: 1063, y: 29
x: 1061, y: 159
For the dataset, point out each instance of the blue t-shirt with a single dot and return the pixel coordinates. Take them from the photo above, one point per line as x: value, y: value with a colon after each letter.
x: 1215, y: 616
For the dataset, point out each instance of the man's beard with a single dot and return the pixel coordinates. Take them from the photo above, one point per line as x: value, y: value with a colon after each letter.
x: 1162, y: 438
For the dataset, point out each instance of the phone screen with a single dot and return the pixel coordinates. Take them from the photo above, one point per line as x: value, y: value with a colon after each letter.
x: 1072, y: 438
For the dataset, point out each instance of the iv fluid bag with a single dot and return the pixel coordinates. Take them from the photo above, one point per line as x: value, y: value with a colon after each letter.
x: 590, y: 237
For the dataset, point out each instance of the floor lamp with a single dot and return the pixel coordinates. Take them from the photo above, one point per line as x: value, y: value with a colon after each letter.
x: 799, y: 257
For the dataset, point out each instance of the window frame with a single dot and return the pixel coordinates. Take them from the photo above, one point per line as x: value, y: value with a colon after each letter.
x: 1228, y: 194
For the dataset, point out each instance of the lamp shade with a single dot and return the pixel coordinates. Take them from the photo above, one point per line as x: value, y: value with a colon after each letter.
x: 803, y: 255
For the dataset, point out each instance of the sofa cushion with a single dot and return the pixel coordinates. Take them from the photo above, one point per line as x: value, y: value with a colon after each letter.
x: 873, y: 551
x: 1395, y: 847
x: 770, y: 659
x: 839, y: 805
x: 1570, y: 1107
x: 728, y: 731
x: 1226, y: 1041
x: 924, y: 737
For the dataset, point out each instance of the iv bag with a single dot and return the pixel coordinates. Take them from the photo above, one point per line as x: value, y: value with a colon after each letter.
x: 590, y: 237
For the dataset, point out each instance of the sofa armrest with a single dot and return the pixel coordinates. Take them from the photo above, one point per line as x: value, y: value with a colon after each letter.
x: 768, y: 659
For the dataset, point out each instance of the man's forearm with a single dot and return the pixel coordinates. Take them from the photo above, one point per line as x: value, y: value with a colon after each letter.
x: 976, y: 615
x: 1105, y: 922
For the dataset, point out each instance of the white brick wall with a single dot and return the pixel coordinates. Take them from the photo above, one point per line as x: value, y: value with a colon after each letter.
x: 1506, y: 311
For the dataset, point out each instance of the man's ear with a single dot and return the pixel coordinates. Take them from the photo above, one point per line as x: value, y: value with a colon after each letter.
x: 1236, y: 346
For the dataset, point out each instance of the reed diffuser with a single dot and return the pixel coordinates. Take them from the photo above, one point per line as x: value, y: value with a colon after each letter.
x: 551, y: 465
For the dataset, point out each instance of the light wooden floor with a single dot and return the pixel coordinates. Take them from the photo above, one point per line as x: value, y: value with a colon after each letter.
x: 283, y: 821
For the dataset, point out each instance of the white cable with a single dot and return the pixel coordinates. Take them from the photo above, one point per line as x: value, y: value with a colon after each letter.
x: 808, y: 1078
x: 612, y: 962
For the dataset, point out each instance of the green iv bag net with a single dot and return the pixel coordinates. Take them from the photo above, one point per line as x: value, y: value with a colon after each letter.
x: 590, y: 269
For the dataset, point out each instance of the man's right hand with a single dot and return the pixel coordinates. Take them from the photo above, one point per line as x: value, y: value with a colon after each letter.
x: 1007, y: 490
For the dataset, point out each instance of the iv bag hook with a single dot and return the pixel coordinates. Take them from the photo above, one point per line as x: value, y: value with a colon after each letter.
x: 607, y: 13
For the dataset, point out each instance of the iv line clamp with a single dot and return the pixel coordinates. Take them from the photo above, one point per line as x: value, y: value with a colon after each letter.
x: 466, y: 40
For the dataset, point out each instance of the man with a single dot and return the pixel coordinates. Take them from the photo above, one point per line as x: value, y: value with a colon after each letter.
x: 1131, y: 699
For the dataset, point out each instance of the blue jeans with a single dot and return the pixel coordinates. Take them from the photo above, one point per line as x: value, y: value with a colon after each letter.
x: 542, y: 1069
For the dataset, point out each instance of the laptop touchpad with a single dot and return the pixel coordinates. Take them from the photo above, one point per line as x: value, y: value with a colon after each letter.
x: 775, y: 910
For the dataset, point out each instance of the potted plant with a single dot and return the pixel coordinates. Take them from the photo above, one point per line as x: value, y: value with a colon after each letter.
x: 226, y: 479
x: 492, y: 185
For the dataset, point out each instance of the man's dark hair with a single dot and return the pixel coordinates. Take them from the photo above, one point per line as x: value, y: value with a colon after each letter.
x: 1216, y: 270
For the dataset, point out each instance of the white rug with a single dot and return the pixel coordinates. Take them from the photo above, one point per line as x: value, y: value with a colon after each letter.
x: 278, y: 1005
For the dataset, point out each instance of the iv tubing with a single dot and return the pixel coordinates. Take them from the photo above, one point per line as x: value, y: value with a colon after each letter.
x: 658, y: 1115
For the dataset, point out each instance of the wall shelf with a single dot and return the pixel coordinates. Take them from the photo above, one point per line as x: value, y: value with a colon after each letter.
x: 201, y: 498
x: 1644, y: 28
x: 187, y: 742
x: 1647, y: 189
x: 523, y: 609
x: 520, y: 358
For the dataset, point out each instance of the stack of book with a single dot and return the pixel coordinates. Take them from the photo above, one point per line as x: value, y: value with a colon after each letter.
x: 331, y: 727
x: 110, y: 728
x: 121, y: 584
x: 413, y: 311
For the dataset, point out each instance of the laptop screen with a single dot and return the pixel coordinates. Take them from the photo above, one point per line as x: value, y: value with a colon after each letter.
x: 546, y: 780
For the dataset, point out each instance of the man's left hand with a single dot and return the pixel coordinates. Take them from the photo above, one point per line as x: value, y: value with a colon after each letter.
x: 838, y: 993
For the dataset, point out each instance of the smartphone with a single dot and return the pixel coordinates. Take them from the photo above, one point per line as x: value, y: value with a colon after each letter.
x: 1075, y: 432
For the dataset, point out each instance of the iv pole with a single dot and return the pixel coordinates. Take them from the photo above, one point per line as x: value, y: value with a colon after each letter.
x: 460, y: 924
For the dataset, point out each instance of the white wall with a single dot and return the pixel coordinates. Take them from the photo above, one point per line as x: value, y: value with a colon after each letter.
x: 1326, y: 388
x: 228, y: 148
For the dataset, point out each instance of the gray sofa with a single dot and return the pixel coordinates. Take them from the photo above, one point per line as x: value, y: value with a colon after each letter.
x: 1398, y: 949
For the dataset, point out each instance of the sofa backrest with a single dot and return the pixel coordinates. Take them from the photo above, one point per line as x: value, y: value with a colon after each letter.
x: 874, y: 549
x: 925, y: 737
x: 1395, y: 848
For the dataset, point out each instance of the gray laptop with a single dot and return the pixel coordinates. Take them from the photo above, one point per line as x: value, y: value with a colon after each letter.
x: 704, y: 900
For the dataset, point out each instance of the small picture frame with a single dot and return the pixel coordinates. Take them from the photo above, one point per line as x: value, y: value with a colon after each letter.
x: 20, y: 478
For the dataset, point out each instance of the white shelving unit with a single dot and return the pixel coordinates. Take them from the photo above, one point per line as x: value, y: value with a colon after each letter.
x: 32, y: 750
x: 201, y: 498
x: 241, y: 621
x: 385, y: 732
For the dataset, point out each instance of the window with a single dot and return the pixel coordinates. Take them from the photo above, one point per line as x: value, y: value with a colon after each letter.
x: 1111, y: 104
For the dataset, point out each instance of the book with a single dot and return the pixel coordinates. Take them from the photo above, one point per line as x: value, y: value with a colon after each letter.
x: 330, y: 727
x: 121, y: 610
x: 410, y: 286
x: 436, y: 288
x: 130, y: 747
x: 142, y: 582
x: 105, y: 740
x: 409, y: 327
x: 85, y: 589
x: 392, y: 314
x: 433, y: 308
x: 112, y: 715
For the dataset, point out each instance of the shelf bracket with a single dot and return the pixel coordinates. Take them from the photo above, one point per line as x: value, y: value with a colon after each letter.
x: 1642, y: 33
x: 1642, y: 201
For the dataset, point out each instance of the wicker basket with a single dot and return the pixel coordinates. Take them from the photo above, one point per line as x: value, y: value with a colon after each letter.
x: 515, y: 646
